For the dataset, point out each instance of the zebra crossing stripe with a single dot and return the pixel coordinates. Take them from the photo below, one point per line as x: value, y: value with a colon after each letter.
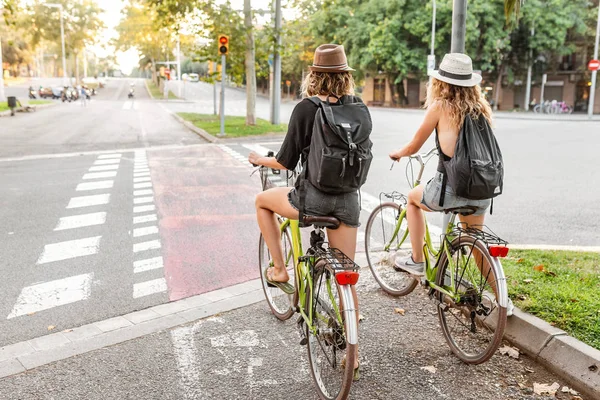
x: 88, y: 201
x: 149, y: 287
x: 79, y: 221
x: 147, y: 264
x: 69, y: 249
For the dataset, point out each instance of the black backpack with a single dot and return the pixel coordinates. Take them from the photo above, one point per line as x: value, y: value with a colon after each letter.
x: 340, y: 154
x: 476, y: 171
x: 340, y: 149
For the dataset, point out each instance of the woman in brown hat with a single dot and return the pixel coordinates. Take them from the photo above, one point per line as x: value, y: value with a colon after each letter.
x: 330, y: 78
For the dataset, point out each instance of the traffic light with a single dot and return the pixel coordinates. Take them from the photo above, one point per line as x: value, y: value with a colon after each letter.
x: 223, y: 45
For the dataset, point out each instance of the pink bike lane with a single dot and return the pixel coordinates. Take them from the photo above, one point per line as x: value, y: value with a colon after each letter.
x: 207, y: 221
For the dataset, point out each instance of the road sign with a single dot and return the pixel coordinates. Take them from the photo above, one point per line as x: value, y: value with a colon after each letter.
x: 430, y: 63
x: 288, y: 83
x: 594, y: 65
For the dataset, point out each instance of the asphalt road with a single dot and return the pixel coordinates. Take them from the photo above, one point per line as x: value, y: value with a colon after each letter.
x: 115, y: 207
x: 248, y: 354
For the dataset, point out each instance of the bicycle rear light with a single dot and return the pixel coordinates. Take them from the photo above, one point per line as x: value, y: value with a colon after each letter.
x: 498, y: 251
x: 347, y: 277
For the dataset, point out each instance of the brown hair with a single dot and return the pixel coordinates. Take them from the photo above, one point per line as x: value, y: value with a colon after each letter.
x: 328, y: 83
x: 458, y: 101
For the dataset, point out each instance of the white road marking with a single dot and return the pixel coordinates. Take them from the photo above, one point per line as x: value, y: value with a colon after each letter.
x: 144, y: 246
x: 145, y: 231
x: 104, y: 168
x: 69, y: 249
x: 142, y: 192
x: 139, y: 209
x: 147, y: 264
x: 142, y: 200
x: 78, y: 221
x: 144, y: 218
x: 100, y: 175
x: 94, y: 185
x: 138, y: 174
x: 263, y: 151
x: 142, y: 185
x: 149, y: 287
x: 43, y: 296
x: 107, y: 162
x: 127, y: 105
x: 114, y: 155
x: 248, y: 338
x: 88, y: 201
x: 142, y: 179
x: 187, y: 361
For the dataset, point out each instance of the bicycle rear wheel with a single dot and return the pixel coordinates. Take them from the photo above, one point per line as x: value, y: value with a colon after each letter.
x: 473, y: 325
x: 282, y: 304
x: 330, y: 355
x: 381, y: 248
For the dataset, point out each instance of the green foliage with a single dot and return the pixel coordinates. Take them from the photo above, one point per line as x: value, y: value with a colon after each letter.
x: 561, y: 287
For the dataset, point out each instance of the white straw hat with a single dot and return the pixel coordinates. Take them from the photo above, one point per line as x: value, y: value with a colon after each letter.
x: 456, y: 69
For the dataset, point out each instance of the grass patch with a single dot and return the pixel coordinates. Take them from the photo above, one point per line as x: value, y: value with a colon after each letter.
x: 4, y: 104
x: 156, y: 93
x: 560, y: 287
x: 234, y: 126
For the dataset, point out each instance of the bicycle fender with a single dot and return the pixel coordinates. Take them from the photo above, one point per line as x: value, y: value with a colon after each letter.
x: 350, y: 314
x: 501, y: 284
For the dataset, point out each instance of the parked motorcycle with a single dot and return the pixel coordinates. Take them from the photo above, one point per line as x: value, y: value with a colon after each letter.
x: 32, y: 93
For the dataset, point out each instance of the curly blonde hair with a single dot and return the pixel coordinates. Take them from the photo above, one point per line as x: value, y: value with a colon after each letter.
x: 458, y: 101
x: 328, y: 83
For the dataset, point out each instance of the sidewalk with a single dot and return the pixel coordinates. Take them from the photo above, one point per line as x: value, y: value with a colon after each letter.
x: 247, y: 353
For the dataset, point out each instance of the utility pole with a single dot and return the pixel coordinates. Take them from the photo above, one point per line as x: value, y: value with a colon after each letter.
x: 276, y: 89
x: 223, y: 65
x: 594, y: 73
x: 250, y: 66
x: 179, y: 83
x: 431, y: 57
x: 529, y: 67
x: 62, y: 38
x: 459, y: 26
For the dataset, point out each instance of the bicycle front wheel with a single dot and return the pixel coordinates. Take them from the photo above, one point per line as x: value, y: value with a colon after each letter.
x: 282, y: 304
x: 330, y: 354
x: 386, y: 236
x: 473, y: 322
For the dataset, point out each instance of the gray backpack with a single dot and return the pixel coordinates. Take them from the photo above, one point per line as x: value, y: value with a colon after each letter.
x: 340, y: 149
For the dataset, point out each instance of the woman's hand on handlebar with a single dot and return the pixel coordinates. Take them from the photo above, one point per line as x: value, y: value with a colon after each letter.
x: 254, y: 158
x: 396, y: 155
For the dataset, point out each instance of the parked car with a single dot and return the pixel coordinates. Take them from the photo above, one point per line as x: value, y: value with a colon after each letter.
x: 57, y: 92
x: 45, y: 92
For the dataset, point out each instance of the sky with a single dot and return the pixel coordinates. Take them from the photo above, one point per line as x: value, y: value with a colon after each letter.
x: 112, y: 15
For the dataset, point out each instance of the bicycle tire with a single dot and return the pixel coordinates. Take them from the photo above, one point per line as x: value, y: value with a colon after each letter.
x: 332, y: 384
x: 482, y: 301
x: 281, y: 304
x: 379, y: 231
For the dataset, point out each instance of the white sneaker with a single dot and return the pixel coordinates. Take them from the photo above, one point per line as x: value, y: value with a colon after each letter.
x: 409, y: 265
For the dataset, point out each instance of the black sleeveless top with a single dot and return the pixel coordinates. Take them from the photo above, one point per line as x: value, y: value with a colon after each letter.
x: 442, y: 156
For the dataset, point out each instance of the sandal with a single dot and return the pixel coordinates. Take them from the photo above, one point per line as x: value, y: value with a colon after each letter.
x: 285, y: 287
x: 356, y: 376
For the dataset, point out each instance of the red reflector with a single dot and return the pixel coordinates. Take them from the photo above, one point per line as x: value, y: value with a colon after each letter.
x: 347, y: 277
x: 498, y: 251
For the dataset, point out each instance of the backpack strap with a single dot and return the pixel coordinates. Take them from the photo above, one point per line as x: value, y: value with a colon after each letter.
x: 443, y: 189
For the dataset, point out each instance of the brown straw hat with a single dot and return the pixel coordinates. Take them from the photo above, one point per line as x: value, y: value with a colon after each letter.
x: 330, y: 58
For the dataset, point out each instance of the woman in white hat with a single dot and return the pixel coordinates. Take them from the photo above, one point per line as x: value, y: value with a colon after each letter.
x: 452, y: 93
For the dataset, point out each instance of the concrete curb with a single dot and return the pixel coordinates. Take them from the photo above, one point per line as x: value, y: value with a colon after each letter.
x: 562, y: 354
x: 200, y: 132
x: 30, y: 354
x: 37, y: 107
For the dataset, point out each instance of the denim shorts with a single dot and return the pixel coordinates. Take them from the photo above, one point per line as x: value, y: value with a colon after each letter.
x: 345, y: 206
x: 431, y: 197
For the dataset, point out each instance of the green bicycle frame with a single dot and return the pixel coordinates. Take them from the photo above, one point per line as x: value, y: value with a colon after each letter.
x: 303, y: 276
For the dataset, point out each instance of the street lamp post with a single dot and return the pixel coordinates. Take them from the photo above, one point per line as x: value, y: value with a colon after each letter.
x: 2, y: 97
x: 62, y: 38
x: 594, y: 73
x: 529, y: 67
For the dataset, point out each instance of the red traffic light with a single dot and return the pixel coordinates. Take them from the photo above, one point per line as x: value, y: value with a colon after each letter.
x: 223, y: 39
x: 223, y: 45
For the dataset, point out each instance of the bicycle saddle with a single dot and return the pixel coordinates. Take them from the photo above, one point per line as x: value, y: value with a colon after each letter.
x: 464, y: 210
x: 321, y: 222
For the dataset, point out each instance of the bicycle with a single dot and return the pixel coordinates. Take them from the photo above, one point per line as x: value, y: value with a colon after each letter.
x: 465, y: 280
x: 324, y: 296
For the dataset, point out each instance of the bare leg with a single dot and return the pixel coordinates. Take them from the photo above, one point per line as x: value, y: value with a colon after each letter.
x: 344, y: 239
x: 475, y: 221
x: 416, y: 222
x: 268, y: 203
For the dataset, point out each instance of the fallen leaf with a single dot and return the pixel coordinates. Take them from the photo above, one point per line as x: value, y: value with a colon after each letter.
x: 68, y: 330
x: 51, y: 327
x: 430, y: 368
x: 530, y: 370
x: 521, y: 297
x: 528, y: 280
x: 576, y: 398
x: 542, y: 388
x: 593, y: 368
x: 400, y: 311
x: 520, y: 260
x: 574, y: 300
x: 511, y: 351
x: 360, y: 317
x: 30, y: 313
x: 550, y: 273
x: 567, y: 389
x: 539, y: 268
